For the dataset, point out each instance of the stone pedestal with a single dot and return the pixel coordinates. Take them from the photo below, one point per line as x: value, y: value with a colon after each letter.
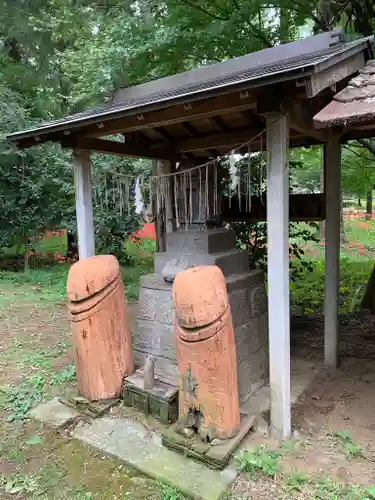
x: 154, y: 332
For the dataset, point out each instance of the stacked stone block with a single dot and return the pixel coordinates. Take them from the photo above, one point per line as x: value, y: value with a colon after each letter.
x: 154, y: 332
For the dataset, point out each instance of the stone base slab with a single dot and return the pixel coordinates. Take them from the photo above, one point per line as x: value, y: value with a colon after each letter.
x: 143, y: 450
x: 54, y: 413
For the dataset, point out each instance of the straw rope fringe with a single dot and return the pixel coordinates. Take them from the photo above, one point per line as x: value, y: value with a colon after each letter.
x: 196, y: 191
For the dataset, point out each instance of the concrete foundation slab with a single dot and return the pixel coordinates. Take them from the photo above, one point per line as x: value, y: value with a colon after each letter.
x: 142, y: 449
x: 54, y: 413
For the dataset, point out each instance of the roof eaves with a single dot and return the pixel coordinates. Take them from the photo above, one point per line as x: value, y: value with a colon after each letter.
x: 109, y: 114
x: 347, y: 51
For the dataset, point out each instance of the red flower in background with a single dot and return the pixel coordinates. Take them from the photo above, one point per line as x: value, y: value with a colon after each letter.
x: 60, y: 258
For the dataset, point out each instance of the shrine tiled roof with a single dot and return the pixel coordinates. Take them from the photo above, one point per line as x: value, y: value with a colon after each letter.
x: 355, y: 104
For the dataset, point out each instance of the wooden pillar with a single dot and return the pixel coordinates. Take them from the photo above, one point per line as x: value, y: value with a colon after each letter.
x: 332, y: 182
x: 170, y: 223
x: 164, y: 220
x: 278, y: 274
x: 83, y: 187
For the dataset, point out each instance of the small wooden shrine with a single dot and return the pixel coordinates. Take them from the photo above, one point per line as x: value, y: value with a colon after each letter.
x: 297, y: 94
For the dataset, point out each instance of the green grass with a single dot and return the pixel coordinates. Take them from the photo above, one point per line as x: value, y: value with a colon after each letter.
x: 326, y: 489
x: 22, y: 352
x: 41, y: 484
x: 49, y: 283
x: 131, y: 277
x: 169, y: 493
x: 295, y: 481
x: 345, y: 439
x: 260, y: 460
x: 41, y: 285
x: 356, y: 231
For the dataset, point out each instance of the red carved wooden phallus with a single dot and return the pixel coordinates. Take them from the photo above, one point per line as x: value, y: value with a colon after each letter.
x: 206, y: 353
x: 101, y: 333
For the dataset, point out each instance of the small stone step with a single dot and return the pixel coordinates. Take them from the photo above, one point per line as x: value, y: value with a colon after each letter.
x: 230, y: 262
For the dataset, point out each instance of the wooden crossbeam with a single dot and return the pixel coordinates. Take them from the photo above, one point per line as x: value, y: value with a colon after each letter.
x: 118, y: 148
x: 302, y: 207
x: 299, y: 114
x: 213, y: 141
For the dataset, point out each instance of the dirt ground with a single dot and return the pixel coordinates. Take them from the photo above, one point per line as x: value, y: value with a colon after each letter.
x: 331, y: 456
x: 37, y: 462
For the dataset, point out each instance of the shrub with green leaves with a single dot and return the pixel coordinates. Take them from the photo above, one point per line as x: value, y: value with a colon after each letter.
x: 253, y: 236
x: 19, y: 400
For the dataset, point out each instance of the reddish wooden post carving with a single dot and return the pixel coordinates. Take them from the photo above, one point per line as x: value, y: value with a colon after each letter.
x: 101, y: 334
x: 206, y: 353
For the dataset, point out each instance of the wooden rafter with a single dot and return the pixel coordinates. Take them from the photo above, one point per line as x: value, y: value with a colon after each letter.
x: 169, y: 140
x: 145, y: 139
x: 189, y: 129
x: 193, y: 133
x: 138, y: 138
x: 161, y: 131
x: 174, y: 114
x: 219, y: 122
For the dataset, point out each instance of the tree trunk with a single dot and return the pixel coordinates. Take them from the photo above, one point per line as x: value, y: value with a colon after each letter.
x: 72, y: 247
x: 26, y: 254
x: 284, y: 25
x: 342, y: 226
x: 359, y: 202
x: 369, y: 205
